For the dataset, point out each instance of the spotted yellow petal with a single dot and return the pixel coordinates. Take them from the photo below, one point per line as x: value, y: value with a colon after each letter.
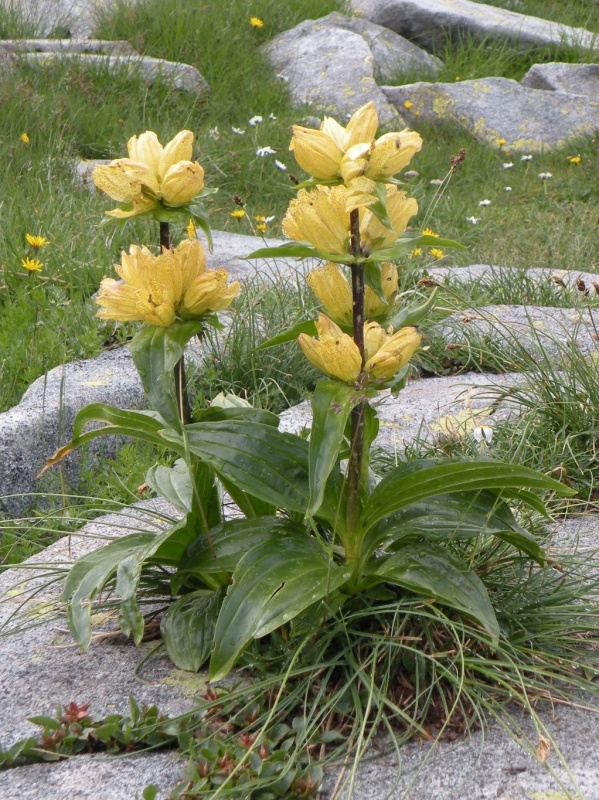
x: 363, y: 125
x: 394, y: 354
x: 331, y: 287
x: 316, y: 153
x: 182, y: 182
x: 334, y: 352
x: 178, y: 149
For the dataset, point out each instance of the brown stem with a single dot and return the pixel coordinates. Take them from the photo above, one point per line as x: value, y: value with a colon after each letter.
x: 354, y: 468
x: 181, y: 392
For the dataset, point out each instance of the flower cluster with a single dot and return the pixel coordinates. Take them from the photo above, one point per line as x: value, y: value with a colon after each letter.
x: 160, y: 289
x: 152, y: 176
x: 352, y: 170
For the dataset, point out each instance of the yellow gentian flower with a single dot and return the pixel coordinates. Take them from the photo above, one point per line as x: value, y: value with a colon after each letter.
x: 332, y: 288
x: 334, y: 352
x: 393, y: 351
x: 152, y: 174
x: 337, y: 355
x: 160, y: 289
x: 320, y: 152
x: 373, y: 234
x: 319, y: 217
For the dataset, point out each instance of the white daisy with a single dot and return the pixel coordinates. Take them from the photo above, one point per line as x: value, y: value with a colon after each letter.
x: 280, y: 165
x: 265, y: 151
x: 485, y: 203
x: 238, y: 131
x: 255, y: 120
x: 473, y: 220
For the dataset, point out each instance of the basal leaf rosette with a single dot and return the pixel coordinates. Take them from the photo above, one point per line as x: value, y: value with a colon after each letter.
x: 333, y: 289
x: 153, y: 178
x: 320, y: 217
x: 159, y: 290
x: 337, y: 355
x: 352, y: 155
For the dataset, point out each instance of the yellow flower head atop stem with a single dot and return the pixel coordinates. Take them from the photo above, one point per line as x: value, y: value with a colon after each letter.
x: 152, y: 174
x: 160, y: 289
x: 332, y: 288
x: 320, y: 217
x: 336, y: 354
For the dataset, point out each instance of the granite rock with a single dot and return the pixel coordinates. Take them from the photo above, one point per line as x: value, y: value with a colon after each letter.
x: 560, y: 77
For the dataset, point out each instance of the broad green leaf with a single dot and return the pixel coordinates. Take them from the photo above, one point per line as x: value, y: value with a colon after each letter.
x: 172, y: 483
x: 379, y: 209
x: 300, y: 250
x: 89, y: 575
x: 187, y: 628
x: 290, y: 335
x: 250, y: 505
x: 422, y: 478
x: 412, y: 315
x: 261, y: 461
x: 434, y: 572
x: 225, y: 545
x: 454, y: 517
x: 127, y: 580
x: 219, y: 414
x: 332, y: 403
x: 372, y: 278
x: 156, y: 351
x: 143, y: 425
x: 273, y: 583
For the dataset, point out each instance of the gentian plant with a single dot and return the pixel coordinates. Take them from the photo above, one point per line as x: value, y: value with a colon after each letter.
x: 318, y: 529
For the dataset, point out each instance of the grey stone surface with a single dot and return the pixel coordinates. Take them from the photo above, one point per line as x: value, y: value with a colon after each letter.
x: 180, y: 76
x: 530, y: 120
x: 430, y: 22
x: 488, y: 274
x: 96, y: 777
x: 98, y: 46
x: 330, y: 68
x: 560, y: 77
x: 230, y: 250
x: 519, y: 330
x: 31, y: 431
x: 76, y: 18
x: 427, y: 409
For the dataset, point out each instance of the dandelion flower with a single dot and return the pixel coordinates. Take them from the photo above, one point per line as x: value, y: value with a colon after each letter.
x: 256, y: 22
x: 408, y: 104
x: 574, y: 160
x: 436, y: 252
x: 261, y: 227
x: 256, y: 120
x: 36, y: 242
x: 485, y: 203
x: 501, y: 141
x: 429, y: 232
x: 280, y: 165
x: 417, y: 251
x: 239, y: 213
x: 24, y: 138
x: 265, y: 151
x: 32, y: 264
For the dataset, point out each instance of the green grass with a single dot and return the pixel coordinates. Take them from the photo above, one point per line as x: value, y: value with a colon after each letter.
x: 47, y: 317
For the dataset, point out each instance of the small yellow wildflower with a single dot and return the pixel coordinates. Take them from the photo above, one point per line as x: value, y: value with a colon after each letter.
x: 417, y: 251
x: 437, y: 253
x: 25, y: 138
x: 458, y: 77
x: 429, y: 232
x: 36, y: 241
x: 191, y: 229
x: 239, y: 213
x: 260, y: 219
x: 261, y: 227
x: 256, y: 22
x: 408, y: 104
x: 32, y: 264
x: 575, y: 160
x: 501, y: 142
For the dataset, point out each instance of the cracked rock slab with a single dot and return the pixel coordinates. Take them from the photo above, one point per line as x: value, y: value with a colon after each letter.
x: 491, y: 109
x: 560, y: 77
x: 490, y: 274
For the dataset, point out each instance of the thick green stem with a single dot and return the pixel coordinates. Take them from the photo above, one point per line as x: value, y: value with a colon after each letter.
x: 354, y: 468
x: 179, y: 371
